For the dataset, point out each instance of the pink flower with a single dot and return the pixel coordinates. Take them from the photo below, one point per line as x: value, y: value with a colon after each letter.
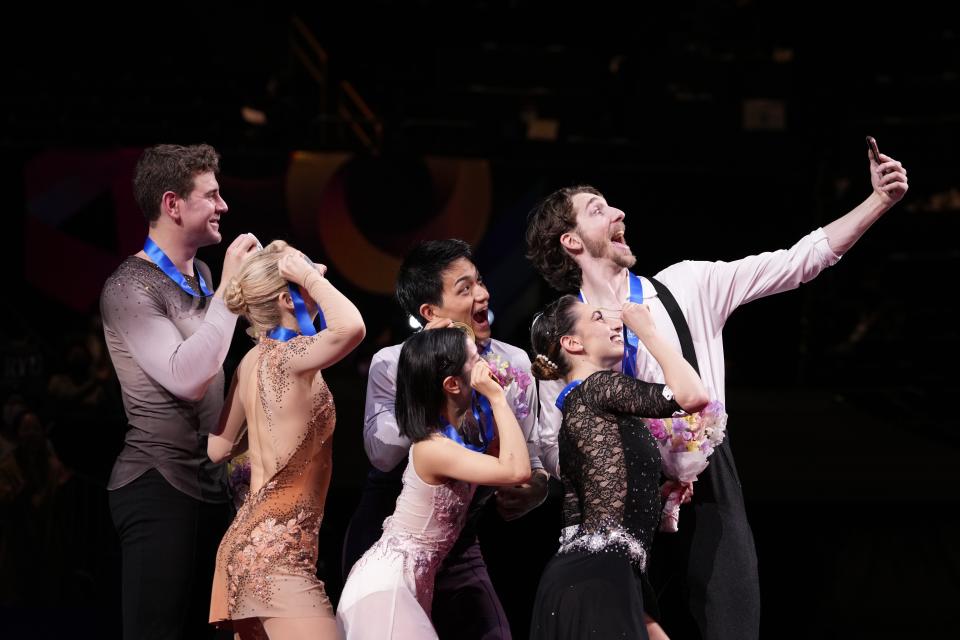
x: 657, y: 428
x: 701, y: 431
x: 686, y: 442
x: 506, y: 375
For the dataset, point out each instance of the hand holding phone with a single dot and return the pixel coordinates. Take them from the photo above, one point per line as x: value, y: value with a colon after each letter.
x: 874, y: 151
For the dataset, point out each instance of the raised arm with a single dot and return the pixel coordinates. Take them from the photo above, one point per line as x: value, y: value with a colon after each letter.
x: 724, y: 286
x: 727, y: 285
x: 680, y: 376
x: 444, y: 458
x: 182, y: 366
x: 616, y: 393
x: 889, y: 181
x: 345, y: 328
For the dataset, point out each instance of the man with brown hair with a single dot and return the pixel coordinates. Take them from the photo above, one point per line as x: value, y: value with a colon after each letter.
x: 168, y: 336
x: 707, y: 572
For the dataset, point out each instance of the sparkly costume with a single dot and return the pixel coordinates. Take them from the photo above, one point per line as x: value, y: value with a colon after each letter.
x: 168, y: 500
x: 168, y: 349
x: 706, y: 573
x: 390, y: 590
x: 266, y: 565
x: 610, y: 463
x: 465, y: 604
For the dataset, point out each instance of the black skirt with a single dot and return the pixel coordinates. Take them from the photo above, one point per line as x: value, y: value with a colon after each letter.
x: 584, y: 594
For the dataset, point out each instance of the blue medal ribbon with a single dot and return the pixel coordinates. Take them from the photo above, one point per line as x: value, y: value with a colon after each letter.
x: 300, y: 309
x: 566, y: 391
x: 303, y: 317
x: 630, y: 340
x: 282, y: 334
x: 483, y: 414
x: 159, y: 258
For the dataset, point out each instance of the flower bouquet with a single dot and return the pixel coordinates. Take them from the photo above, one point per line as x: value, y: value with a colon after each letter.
x: 686, y: 441
x: 238, y: 478
x: 506, y: 374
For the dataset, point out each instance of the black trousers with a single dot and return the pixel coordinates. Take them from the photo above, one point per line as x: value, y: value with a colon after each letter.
x: 168, y: 544
x: 705, y: 574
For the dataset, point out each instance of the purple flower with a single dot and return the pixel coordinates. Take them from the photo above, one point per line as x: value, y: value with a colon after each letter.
x: 522, y: 377
x: 521, y: 409
x: 240, y: 472
x: 506, y: 375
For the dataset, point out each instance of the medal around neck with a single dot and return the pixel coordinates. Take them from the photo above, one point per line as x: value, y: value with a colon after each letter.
x: 630, y: 340
x: 303, y: 318
x: 483, y: 414
x: 159, y: 258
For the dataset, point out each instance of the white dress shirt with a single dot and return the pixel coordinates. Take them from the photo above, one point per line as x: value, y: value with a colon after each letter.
x: 707, y: 293
x: 384, y: 445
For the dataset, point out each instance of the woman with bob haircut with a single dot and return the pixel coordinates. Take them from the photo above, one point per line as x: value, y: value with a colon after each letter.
x: 464, y: 433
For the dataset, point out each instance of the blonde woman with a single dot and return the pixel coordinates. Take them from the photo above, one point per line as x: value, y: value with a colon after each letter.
x: 265, y: 577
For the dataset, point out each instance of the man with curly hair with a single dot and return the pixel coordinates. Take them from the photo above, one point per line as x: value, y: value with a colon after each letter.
x: 707, y: 572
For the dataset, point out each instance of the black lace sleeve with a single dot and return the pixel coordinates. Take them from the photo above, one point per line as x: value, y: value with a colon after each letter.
x: 605, y: 450
x: 616, y: 393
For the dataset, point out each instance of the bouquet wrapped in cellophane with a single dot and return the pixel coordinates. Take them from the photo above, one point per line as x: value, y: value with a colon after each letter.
x: 686, y: 442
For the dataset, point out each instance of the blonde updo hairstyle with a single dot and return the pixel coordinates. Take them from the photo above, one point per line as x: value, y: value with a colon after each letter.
x: 558, y: 319
x: 254, y: 292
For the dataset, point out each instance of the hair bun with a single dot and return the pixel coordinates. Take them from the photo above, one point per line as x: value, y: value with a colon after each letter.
x: 544, y: 368
x: 276, y: 246
x: 234, y: 298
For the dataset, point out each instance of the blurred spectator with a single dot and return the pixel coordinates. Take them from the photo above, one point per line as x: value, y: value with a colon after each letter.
x: 79, y: 387
x: 23, y: 355
x: 30, y: 476
x: 84, y: 404
x: 33, y: 471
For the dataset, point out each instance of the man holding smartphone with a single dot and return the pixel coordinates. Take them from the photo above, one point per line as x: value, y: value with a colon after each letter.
x: 705, y: 574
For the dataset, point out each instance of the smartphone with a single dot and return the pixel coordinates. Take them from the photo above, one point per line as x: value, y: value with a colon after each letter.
x: 872, y: 144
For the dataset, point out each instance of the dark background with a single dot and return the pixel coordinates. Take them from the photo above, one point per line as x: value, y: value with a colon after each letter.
x: 722, y: 128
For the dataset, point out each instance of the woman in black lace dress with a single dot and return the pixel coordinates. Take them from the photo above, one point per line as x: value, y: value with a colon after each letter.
x: 595, y: 586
